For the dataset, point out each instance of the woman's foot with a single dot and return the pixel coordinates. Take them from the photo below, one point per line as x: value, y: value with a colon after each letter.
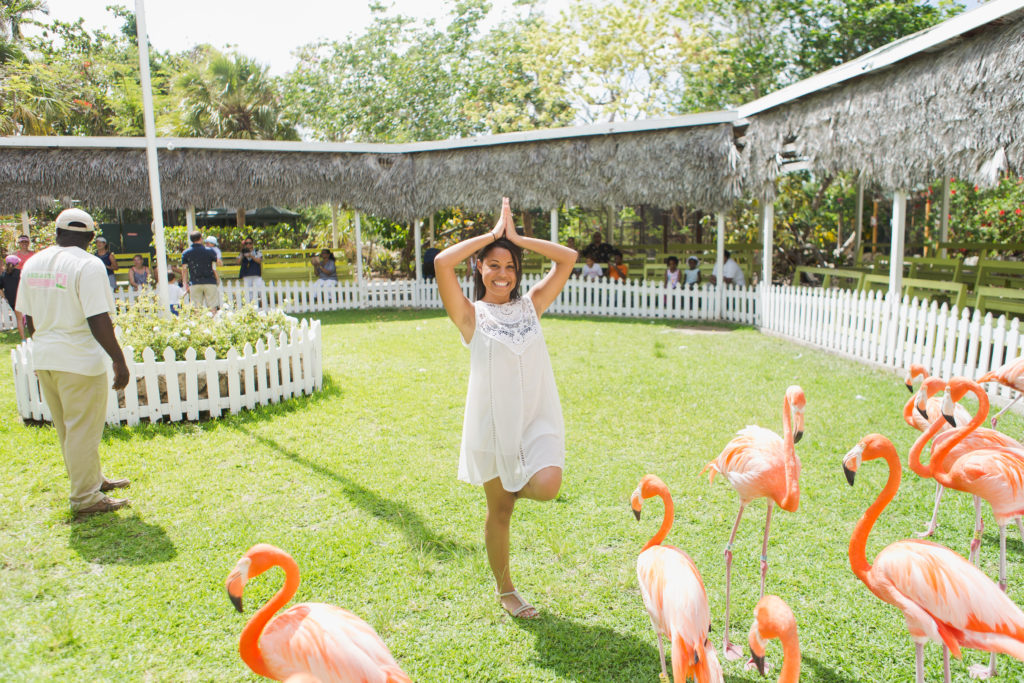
x: 517, y: 606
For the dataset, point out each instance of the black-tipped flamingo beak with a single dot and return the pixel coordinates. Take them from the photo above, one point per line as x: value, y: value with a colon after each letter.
x: 910, y: 387
x: 950, y: 419
x: 236, y: 600
x: 797, y: 436
x: 922, y: 412
x: 636, y: 513
x: 850, y: 474
x: 759, y: 663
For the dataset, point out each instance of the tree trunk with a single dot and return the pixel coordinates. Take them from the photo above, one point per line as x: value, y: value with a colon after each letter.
x: 240, y: 217
x: 528, y: 223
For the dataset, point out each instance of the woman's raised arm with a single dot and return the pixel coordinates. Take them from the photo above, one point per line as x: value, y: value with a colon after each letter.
x: 547, y: 290
x: 458, y: 307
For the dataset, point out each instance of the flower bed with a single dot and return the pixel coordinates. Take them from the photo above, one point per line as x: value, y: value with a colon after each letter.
x: 279, y: 358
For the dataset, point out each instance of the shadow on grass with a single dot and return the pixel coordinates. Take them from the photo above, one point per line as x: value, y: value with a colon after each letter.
x: 150, y: 430
x: 406, y: 520
x: 116, y: 539
x: 823, y: 672
x: 590, y: 653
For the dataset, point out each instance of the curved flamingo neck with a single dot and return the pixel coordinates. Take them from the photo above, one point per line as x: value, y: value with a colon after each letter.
x: 908, y: 410
x: 790, y: 657
x: 249, y: 643
x: 965, y: 431
x: 925, y: 471
x: 859, y: 541
x: 666, y: 523
x: 789, y: 463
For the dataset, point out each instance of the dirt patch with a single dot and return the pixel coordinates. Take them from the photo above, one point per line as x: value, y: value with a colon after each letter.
x: 699, y: 329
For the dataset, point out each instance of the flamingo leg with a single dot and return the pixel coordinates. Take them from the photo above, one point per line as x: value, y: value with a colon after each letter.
x: 919, y: 662
x: 995, y: 418
x: 661, y: 651
x: 980, y: 670
x: 945, y: 664
x: 978, y: 527
x: 933, y: 524
x: 764, y: 548
x: 1020, y: 528
x: 732, y: 652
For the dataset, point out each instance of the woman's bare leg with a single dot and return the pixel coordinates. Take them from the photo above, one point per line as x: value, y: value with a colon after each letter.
x: 500, y: 504
x: 543, y: 485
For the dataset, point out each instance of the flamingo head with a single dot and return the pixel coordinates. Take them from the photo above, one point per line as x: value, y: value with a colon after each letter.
x: 651, y: 485
x: 772, y: 619
x: 913, y: 372
x: 797, y: 402
x: 958, y: 388
x: 870, y: 447
x: 930, y: 387
x: 256, y: 560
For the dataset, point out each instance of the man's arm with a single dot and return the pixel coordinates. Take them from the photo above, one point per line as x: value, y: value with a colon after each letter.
x: 30, y: 327
x: 102, y: 328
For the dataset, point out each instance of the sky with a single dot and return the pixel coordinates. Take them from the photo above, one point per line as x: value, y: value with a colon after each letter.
x: 267, y: 31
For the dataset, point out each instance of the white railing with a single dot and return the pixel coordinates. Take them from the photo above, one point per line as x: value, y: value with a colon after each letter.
x: 630, y: 299
x: 864, y: 326
x: 175, y: 389
x: 7, y: 320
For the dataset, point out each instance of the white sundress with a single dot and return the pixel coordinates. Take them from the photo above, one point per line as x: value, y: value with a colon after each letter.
x: 513, y: 422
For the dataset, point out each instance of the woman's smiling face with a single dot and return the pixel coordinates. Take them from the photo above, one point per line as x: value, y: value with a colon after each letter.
x: 498, y: 272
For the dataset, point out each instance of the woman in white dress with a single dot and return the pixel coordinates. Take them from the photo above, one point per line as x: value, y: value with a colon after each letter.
x: 513, y: 438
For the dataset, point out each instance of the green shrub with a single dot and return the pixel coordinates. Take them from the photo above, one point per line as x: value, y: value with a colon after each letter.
x: 145, y: 322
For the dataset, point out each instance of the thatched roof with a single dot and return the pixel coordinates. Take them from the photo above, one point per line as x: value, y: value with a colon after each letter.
x: 954, y: 109
x: 664, y: 163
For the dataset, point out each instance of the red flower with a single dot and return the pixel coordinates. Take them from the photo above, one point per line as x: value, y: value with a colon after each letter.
x: 1001, y: 212
x: 83, y: 103
x: 952, y: 192
x: 1018, y: 212
x: 975, y: 188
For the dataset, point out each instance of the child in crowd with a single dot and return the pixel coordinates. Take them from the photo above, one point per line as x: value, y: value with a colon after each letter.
x: 618, y: 270
x: 691, y: 277
x: 672, y: 274
x: 592, y: 271
x: 513, y: 437
x: 175, y: 292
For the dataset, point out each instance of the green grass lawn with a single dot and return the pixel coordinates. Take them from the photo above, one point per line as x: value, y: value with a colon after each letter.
x: 358, y: 484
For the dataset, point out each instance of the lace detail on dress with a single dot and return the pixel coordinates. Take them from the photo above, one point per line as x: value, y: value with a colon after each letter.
x: 513, y: 324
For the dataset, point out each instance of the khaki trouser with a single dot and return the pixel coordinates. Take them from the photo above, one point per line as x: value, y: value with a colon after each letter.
x: 205, y: 295
x: 78, y: 404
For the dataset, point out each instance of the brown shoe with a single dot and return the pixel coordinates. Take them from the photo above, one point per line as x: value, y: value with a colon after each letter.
x: 108, y: 504
x: 111, y: 484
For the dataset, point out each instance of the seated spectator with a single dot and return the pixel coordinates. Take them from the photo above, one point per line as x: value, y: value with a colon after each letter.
x: 139, y: 274
x: 592, y: 271
x: 673, y: 272
x: 9, y: 281
x: 618, y: 270
x: 691, y: 276
x: 428, y: 261
x: 732, y: 274
x: 600, y: 250
x: 325, y: 268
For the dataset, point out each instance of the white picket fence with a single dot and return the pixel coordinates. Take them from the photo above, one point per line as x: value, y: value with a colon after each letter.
x: 191, y: 388
x: 866, y: 327
x: 7, y: 321
x: 632, y: 299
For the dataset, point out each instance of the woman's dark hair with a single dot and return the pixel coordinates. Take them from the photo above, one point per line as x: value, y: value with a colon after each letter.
x: 517, y: 261
x: 330, y: 254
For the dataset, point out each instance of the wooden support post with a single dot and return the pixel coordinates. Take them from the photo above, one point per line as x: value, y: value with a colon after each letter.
x: 25, y: 225
x: 359, y: 249
x: 874, y: 228
x: 858, y: 255
x: 418, y: 249
x: 944, y: 225
x: 334, y: 226
x: 899, y: 227
x: 554, y: 225
x: 431, y: 239
x: 768, y: 242
x: 190, y: 218
x: 720, y: 266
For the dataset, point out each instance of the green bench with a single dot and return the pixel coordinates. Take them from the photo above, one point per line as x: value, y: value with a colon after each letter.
x: 1000, y: 300
x: 854, y: 279
x: 955, y: 293
x: 993, y: 273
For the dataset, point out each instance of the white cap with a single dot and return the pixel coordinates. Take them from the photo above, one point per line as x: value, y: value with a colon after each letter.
x: 75, y: 220
x: 210, y: 239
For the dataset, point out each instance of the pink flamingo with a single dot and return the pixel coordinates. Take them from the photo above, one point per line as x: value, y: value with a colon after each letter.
x: 757, y: 463
x: 674, y: 596
x: 913, y: 372
x: 1009, y: 375
x: 943, y: 597
x: 774, y: 619
x: 325, y: 642
x: 921, y: 411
